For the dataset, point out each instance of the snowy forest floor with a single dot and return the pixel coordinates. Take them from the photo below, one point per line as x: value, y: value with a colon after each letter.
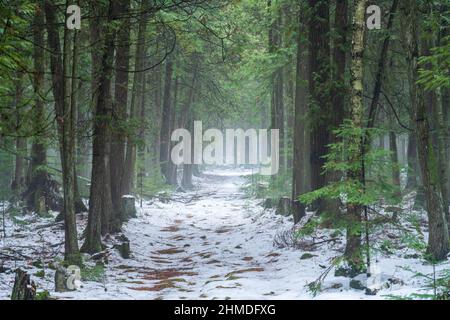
x: 211, y: 243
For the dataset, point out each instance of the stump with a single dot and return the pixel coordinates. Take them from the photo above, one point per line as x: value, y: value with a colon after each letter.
x: 128, y: 208
x: 24, y: 288
x: 261, y: 189
x: 60, y: 279
x: 41, y: 208
x: 123, y: 246
x: 284, y: 206
x: 65, y: 278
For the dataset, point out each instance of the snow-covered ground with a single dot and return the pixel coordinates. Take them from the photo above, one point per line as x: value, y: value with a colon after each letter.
x: 212, y: 243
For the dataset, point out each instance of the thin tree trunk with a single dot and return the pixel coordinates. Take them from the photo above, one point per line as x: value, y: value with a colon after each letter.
x: 395, y: 166
x: 38, y: 176
x: 411, y: 183
x: 319, y: 101
x: 277, y: 101
x: 188, y: 122
x: 172, y: 169
x: 120, y: 112
x: 166, y: 119
x: 138, y: 78
x: 300, y: 183
x: 353, y: 252
x: 18, y: 183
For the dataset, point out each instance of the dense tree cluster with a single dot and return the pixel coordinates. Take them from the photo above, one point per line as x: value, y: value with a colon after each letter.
x: 363, y: 113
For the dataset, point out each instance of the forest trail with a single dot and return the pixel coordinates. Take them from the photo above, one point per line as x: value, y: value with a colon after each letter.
x: 211, y: 243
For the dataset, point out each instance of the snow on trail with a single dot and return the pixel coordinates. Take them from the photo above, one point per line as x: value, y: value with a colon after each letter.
x: 215, y: 243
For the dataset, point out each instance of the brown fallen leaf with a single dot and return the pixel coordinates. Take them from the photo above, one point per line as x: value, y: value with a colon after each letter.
x: 245, y: 271
x: 166, y: 274
x: 212, y: 261
x: 169, y: 251
x: 223, y: 230
x: 170, y: 229
x: 273, y: 254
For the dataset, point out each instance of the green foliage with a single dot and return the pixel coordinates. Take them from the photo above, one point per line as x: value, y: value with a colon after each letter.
x: 43, y: 295
x: 6, y: 168
x: 341, y: 159
x: 93, y: 273
x: 436, y: 284
x: 435, y: 71
x: 152, y: 184
x: 272, y: 187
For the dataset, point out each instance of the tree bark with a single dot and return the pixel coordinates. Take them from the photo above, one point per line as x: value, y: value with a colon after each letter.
x: 172, y: 169
x: 18, y: 182
x: 188, y: 122
x: 300, y: 169
x: 166, y: 120
x: 411, y: 182
x: 38, y: 177
x: 100, y: 203
x: 353, y: 252
x: 395, y: 166
x: 138, y: 78
x: 319, y: 101
x: 438, y: 239
x: 61, y: 80
x: 277, y: 84
x: 120, y: 111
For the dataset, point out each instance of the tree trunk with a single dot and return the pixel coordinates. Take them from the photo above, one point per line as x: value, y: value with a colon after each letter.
x: 38, y: 177
x: 395, y: 166
x: 411, y: 182
x: 61, y: 80
x: 300, y: 183
x: 319, y: 101
x: 142, y: 130
x: 438, y: 239
x: 166, y: 120
x: 100, y: 203
x: 172, y: 169
x: 120, y: 111
x: 277, y: 83
x: 339, y: 93
x: 138, y: 80
x: 188, y: 122
x: 156, y: 76
x: 18, y: 182
x: 353, y: 252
